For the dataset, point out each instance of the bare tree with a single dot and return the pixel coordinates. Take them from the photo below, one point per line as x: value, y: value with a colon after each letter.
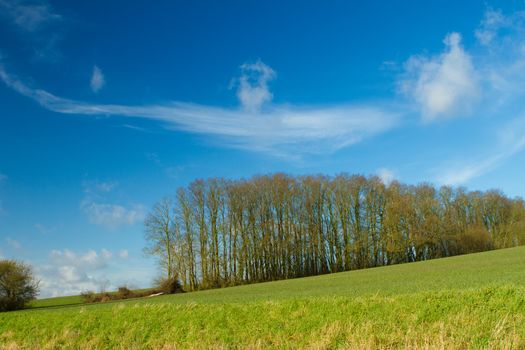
x: 160, y: 235
x: 219, y: 232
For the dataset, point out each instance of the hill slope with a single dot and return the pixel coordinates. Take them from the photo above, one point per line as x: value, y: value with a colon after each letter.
x: 475, y: 300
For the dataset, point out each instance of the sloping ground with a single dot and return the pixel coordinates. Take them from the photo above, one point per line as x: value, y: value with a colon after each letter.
x: 472, y: 301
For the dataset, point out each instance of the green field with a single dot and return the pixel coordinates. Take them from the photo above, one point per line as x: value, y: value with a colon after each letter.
x: 471, y: 301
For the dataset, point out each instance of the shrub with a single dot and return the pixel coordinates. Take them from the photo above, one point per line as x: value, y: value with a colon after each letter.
x: 124, y: 293
x: 166, y: 286
x: 17, y: 285
x: 89, y: 296
x: 475, y: 239
x: 103, y: 297
x: 169, y: 286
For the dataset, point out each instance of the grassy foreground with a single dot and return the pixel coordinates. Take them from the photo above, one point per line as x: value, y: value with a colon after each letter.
x: 474, y: 301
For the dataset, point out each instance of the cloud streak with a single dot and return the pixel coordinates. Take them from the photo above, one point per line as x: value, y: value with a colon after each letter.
x: 511, y: 142
x: 278, y: 129
x: 28, y: 17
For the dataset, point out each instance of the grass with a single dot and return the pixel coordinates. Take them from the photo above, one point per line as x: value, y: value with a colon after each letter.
x: 59, y: 301
x: 471, y: 301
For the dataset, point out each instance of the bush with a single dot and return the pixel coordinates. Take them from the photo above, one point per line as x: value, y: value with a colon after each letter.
x: 124, y: 293
x: 121, y: 294
x: 169, y: 286
x: 165, y: 286
x: 17, y: 285
x: 89, y: 296
x: 475, y: 239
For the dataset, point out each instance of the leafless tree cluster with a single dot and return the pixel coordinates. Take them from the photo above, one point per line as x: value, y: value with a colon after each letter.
x: 219, y: 232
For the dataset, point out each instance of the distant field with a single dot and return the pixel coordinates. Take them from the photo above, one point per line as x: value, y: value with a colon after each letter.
x: 471, y: 301
x: 60, y: 301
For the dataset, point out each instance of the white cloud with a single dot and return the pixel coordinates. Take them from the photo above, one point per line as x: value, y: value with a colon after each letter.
x: 123, y: 254
x: 67, y: 272
x: 97, y: 80
x: 252, y: 89
x: 28, y: 17
x: 442, y: 86
x: 386, y: 175
x: 492, y: 22
x: 106, y: 254
x: 277, y: 129
x: 91, y: 259
x: 13, y: 243
x: 501, y: 64
x: 495, y: 23
x: 100, y: 212
x: 113, y: 216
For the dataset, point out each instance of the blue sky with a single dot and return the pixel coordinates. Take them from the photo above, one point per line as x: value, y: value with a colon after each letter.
x: 105, y: 109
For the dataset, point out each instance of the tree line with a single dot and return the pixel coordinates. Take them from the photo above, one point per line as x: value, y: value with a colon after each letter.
x: 219, y: 232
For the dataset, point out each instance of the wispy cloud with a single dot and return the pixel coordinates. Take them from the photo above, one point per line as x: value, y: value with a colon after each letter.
x: 109, y: 215
x: 492, y: 22
x: 13, y: 243
x: 123, y: 254
x: 171, y: 171
x: 26, y: 15
x: 112, y: 216
x: 276, y: 129
x: 467, y: 170
x: 93, y: 187
x: 511, y: 141
x: 43, y: 229
x: 39, y: 28
x: 445, y: 85
x: 97, y: 80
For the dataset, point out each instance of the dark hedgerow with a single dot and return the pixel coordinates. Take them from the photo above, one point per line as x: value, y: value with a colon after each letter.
x: 164, y: 286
